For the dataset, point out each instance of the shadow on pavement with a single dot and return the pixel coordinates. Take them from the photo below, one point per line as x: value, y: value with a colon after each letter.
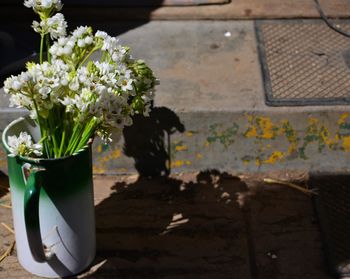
x: 153, y: 228
x: 4, y: 184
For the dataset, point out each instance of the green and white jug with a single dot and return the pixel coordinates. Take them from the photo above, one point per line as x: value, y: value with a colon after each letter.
x: 53, y: 209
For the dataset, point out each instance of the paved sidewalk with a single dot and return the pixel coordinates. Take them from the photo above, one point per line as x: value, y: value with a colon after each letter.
x: 209, y: 108
x: 196, y: 225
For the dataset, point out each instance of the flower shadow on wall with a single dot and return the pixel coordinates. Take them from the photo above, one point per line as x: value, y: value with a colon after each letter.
x: 148, y: 141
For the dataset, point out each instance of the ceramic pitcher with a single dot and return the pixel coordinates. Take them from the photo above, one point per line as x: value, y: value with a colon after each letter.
x: 53, y: 209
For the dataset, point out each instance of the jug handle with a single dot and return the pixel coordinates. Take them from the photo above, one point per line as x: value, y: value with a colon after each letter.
x: 31, y: 214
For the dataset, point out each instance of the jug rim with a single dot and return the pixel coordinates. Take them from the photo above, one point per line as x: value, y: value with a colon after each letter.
x: 32, y: 159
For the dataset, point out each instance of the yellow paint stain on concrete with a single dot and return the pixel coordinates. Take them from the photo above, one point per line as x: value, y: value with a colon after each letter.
x: 274, y: 157
x: 261, y: 127
x: 188, y: 163
x: 313, y: 126
x: 251, y: 133
x: 258, y: 162
x: 267, y: 128
x: 289, y: 132
x: 181, y: 148
x: 189, y: 134
x: 346, y: 143
x: 199, y: 156
x: 325, y: 135
x: 98, y: 170
x: 177, y: 164
x: 102, y: 161
x: 292, y: 148
x: 99, y: 148
x: 115, y: 154
x: 206, y: 144
x: 342, y: 118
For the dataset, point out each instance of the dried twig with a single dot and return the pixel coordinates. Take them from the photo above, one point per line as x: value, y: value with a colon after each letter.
x: 294, y: 186
x: 8, y: 228
x: 92, y: 270
x: 8, y: 251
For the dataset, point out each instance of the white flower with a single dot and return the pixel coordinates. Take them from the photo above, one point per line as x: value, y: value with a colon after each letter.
x: 74, y: 84
x: 126, y: 84
x: 29, y: 3
x: 20, y: 101
x: 57, y: 26
x: 101, y: 34
x: 80, y: 31
x: 23, y: 145
x: 39, y: 5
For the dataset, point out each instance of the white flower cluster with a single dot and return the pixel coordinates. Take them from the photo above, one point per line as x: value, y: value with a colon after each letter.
x: 39, y: 88
x: 23, y: 145
x: 55, y: 26
x: 41, y: 5
x: 92, y: 96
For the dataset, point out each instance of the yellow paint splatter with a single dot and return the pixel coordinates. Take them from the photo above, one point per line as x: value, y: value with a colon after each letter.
x: 98, y: 170
x: 99, y: 148
x: 251, y: 133
x: 189, y: 134
x: 206, y: 144
x: 177, y: 164
x: 267, y: 128
x: 325, y: 135
x: 103, y: 160
x: 342, y: 118
x: 116, y: 154
x: 275, y: 157
x: 292, y: 148
x: 188, y: 163
x: 181, y: 148
x: 199, y: 156
x: 346, y: 143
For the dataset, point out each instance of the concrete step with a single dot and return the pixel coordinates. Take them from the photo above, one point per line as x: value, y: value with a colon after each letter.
x: 210, y: 111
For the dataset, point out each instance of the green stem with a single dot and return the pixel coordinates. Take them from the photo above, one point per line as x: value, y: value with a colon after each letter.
x: 73, y: 139
x: 62, y: 143
x: 88, y: 131
x: 86, y: 57
x: 48, y: 48
x: 41, y: 48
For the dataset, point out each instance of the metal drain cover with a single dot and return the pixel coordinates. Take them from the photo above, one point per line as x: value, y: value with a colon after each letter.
x: 333, y: 208
x: 304, y: 62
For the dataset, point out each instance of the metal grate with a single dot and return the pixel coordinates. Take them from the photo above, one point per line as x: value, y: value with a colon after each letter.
x: 304, y: 62
x: 333, y: 208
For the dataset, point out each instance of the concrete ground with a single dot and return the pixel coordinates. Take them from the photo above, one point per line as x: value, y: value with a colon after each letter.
x: 195, y: 225
x: 210, y: 110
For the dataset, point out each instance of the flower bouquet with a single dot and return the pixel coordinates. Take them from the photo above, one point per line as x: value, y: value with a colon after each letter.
x: 71, y: 96
x: 85, y: 85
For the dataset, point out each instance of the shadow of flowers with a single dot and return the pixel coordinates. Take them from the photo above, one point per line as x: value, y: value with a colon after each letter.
x: 148, y: 141
x: 161, y: 227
